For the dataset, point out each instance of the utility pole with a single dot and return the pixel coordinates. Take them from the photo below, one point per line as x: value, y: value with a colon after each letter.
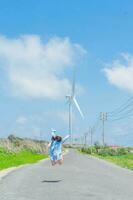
x: 85, y: 139
x: 91, y: 135
x: 103, y: 118
x: 82, y: 141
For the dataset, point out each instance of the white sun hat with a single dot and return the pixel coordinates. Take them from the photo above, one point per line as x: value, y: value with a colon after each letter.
x: 53, y: 131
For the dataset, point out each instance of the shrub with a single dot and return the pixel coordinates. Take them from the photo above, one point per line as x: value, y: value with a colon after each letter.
x: 103, y: 152
x: 2, y: 150
x: 97, y: 146
x: 112, y: 152
x: 83, y: 149
x: 93, y: 150
x: 88, y: 150
x: 122, y: 151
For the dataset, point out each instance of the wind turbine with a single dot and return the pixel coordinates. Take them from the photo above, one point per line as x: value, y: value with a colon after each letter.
x: 71, y: 99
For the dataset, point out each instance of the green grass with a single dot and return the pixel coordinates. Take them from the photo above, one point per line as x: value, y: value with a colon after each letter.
x: 119, y: 157
x: 125, y: 161
x: 15, y: 159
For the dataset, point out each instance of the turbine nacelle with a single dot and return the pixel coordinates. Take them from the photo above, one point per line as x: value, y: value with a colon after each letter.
x: 68, y: 96
x: 69, y: 99
x: 72, y: 99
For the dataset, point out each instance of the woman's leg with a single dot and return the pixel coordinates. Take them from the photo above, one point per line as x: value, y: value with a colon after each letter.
x: 53, y: 159
x: 60, y: 162
x: 53, y: 162
x: 60, y: 159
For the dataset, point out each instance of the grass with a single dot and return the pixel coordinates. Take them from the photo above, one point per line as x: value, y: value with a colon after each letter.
x: 121, y: 157
x: 15, y: 159
x: 125, y: 161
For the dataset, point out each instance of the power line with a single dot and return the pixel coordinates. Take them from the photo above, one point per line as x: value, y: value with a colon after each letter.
x: 96, y: 125
x: 129, y: 113
x: 121, y: 111
x: 123, y: 106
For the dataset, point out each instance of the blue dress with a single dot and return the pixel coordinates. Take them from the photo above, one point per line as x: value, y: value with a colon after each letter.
x: 55, y: 150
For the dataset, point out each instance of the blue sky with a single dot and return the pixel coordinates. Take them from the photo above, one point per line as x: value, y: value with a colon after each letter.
x: 40, y: 44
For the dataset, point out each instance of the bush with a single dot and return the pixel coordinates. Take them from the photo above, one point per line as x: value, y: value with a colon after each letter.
x: 2, y: 150
x: 112, y: 152
x: 88, y: 150
x: 83, y: 149
x: 103, y: 152
x: 97, y: 146
x: 106, y: 151
x: 122, y: 151
x: 93, y: 150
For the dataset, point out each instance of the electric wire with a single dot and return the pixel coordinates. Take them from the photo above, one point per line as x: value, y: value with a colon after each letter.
x: 123, y: 106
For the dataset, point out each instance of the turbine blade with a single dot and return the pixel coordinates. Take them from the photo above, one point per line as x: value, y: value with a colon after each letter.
x: 77, y: 105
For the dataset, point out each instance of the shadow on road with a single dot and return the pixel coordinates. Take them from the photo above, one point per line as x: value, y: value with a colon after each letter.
x: 51, y: 181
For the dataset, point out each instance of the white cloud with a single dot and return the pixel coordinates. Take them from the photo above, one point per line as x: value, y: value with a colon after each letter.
x: 61, y: 116
x: 64, y: 116
x: 120, y: 72
x: 34, y: 69
x: 33, y: 125
x: 21, y: 120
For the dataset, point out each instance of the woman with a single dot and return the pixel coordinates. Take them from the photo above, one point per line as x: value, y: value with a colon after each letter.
x: 55, y: 149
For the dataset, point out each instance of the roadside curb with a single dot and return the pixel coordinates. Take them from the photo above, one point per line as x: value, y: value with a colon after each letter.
x: 5, y: 172
x: 109, y: 163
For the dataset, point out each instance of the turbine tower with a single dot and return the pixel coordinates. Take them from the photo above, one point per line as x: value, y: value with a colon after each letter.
x: 71, y: 99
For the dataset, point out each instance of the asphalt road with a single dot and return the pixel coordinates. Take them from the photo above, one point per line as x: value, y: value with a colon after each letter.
x: 79, y: 178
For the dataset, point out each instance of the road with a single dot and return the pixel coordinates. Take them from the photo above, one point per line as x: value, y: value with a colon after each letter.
x: 80, y: 178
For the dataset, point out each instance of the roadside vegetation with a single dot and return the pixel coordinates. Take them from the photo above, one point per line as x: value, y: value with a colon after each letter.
x: 121, y: 156
x: 16, y: 151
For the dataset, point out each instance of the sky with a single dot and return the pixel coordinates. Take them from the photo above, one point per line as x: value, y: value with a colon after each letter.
x: 42, y: 43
